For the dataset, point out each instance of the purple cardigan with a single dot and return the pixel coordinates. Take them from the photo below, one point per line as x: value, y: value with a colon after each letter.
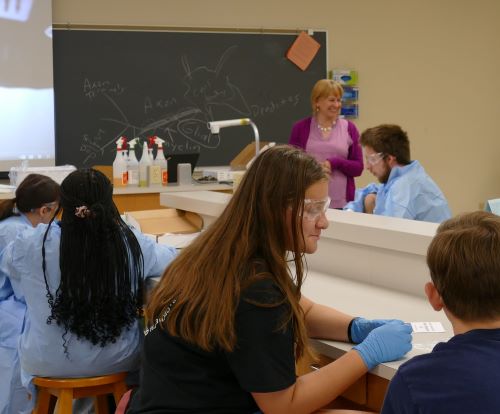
x: 350, y: 167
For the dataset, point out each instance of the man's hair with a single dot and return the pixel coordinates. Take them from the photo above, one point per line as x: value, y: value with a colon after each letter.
x: 464, y: 262
x: 390, y: 140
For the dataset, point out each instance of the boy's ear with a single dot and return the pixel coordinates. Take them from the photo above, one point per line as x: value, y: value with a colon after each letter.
x: 433, y: 296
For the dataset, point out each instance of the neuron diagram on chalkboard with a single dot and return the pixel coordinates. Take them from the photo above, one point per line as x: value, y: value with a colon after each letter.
x: 104, y: 91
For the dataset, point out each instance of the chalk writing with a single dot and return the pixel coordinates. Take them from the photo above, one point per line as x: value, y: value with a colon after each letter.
x: 275, y: 105
x: 91, y: 145
x: 196, y: 131
x: 210, y: 88
x: 92, y: 89
x: 171, y: 85
x: 208, y: 91
x: 151, y: 104
x: 182, y: 146
x: 168, y: 124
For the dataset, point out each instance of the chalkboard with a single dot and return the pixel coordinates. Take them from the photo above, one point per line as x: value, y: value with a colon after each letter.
x: 109, y: 83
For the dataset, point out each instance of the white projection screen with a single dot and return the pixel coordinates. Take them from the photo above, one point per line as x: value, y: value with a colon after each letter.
x: 26, y: 83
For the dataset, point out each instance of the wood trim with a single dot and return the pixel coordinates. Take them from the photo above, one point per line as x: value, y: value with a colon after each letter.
x: 78, y: 26
x: 376, y: 388
x: 137, y: 202
x: 366, y: 393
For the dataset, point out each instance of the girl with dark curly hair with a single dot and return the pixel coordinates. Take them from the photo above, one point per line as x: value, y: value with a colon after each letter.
x: 82, y: 281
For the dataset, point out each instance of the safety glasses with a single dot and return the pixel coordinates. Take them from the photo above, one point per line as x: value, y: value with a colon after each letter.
x: 374, y: 159
x: 313, y: 209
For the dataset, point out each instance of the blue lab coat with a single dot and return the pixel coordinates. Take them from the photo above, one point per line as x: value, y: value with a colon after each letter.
x: 409, y: 193
x: 12, y: 310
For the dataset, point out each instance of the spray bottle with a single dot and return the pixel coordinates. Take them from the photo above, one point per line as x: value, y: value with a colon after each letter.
x: 144, y: 165
x: 154, y: 170
x: 161, y: 161
x: 120, y: 174
x: 151, y: 143
x: 133, y: 163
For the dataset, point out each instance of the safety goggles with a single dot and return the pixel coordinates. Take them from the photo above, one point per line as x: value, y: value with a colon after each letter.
x: 374, y: 159
x: 313, y: 209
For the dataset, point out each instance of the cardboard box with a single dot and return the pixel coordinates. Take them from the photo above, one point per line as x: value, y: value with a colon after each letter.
x: 241, y: 160
x: 168, y: 220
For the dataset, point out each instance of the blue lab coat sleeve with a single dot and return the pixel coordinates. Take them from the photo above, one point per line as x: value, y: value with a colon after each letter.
x: 156, y: 256
x: 358, y: 203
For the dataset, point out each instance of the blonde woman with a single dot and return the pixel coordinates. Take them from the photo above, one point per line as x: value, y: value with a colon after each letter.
x: 333, y: 141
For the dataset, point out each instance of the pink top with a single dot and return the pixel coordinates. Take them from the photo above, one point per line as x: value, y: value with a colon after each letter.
x: 351, y: 167
x: 335, y: 145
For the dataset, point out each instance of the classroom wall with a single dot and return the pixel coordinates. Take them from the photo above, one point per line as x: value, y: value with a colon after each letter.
x: 430, y: 66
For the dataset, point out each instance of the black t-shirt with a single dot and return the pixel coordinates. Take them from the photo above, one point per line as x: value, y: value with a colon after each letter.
x: 177, y: 377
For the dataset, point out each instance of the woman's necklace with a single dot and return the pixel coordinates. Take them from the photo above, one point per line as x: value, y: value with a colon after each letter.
x: 327, y: 128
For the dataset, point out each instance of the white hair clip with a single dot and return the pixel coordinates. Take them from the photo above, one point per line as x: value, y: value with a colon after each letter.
x: 82, y: 212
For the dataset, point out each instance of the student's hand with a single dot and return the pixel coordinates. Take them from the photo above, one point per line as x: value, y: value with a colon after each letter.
x: 385, y: 343
x: 369, y: 203
x: 361, y: 327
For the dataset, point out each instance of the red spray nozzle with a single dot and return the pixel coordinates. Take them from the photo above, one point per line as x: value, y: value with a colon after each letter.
x: 151, y: 141
x: 121, y: 143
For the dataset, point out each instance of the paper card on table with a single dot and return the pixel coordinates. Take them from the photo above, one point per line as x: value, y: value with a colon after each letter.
x: 303, y: 50
x: 427, y: 327
x: 179, y: 241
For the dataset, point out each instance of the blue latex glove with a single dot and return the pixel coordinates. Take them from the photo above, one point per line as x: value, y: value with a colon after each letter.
x: 385, y: 343
x: 361, y: 327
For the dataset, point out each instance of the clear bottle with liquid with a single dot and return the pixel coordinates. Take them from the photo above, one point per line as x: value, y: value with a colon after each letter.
x: 144, y: 165
x: 161, y: 161
x: 133, y: 164
x: 120, y: 170
x: 154, y: 168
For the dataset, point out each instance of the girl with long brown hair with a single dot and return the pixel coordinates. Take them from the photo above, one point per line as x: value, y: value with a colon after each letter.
x: 228, y: 321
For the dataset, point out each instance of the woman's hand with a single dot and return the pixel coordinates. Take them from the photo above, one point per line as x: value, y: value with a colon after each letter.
x: 327, y: 167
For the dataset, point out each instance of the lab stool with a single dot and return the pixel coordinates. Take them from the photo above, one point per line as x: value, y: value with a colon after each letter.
x: 67, y: 389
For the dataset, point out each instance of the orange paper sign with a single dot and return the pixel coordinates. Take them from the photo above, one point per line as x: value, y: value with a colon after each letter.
x: 303, y: 50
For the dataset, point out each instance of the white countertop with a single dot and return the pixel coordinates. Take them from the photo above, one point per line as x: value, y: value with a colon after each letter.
x: 393, y: 250
x: 172, y: 187
x: 207, y: 203
x: 373, y: 302
x: 6, y: 195
x: 381, y: 261
x: 6, y: 190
